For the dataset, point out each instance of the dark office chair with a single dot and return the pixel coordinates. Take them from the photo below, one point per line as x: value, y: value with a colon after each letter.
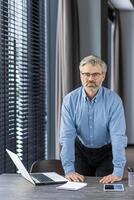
x: 47, y: 166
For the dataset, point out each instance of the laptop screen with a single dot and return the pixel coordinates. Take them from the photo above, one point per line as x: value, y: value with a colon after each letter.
x: 20, y: 166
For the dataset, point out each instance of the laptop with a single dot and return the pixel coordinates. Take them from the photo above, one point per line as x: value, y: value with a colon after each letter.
x: 36, y: 178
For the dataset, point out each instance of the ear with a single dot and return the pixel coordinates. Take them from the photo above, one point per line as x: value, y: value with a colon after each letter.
x: 103, y: 76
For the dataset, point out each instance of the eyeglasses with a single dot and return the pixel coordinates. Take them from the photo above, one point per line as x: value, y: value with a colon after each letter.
x: 94, y: 75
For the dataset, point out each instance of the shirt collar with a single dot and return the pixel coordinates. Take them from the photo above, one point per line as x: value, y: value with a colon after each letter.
x: 96, y: 98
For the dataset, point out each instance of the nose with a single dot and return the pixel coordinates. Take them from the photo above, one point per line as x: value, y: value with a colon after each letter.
x: 90, y: 77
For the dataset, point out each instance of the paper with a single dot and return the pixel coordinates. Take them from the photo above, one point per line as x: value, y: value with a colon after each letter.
x: 72, y: 186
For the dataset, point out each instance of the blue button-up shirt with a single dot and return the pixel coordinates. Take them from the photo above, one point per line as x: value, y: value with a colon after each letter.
x: 95, y: 122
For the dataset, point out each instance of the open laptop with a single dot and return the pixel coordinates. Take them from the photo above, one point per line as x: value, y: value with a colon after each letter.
x: 36, y: 178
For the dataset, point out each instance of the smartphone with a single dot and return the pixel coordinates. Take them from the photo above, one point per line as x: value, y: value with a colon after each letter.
x: 113, y: 187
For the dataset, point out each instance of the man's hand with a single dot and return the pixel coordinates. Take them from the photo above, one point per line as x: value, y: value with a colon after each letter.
x: 110, y: 179
x: 74, y: 176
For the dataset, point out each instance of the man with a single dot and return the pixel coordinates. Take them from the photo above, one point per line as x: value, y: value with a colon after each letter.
x: 93, y: 127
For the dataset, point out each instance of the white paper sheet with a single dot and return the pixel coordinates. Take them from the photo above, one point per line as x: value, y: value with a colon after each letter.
x: 72, y: 186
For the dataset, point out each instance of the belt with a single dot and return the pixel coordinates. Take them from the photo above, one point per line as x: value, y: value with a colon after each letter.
x: 105, y: 147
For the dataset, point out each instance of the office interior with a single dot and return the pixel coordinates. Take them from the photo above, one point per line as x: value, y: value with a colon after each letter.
x: 41, y: 45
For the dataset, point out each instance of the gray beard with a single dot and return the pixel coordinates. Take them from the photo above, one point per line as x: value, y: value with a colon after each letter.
x: 92, y: 89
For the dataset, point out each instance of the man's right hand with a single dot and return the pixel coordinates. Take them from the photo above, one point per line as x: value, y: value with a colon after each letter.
x: 74, y: 176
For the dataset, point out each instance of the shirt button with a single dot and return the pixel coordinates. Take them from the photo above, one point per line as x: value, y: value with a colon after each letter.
x: 90, y: 126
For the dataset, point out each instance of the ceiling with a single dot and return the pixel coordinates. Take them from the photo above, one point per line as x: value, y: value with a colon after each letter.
x: 122, y: 4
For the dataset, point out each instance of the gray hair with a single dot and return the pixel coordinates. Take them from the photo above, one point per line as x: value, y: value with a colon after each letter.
x: 93, y: 60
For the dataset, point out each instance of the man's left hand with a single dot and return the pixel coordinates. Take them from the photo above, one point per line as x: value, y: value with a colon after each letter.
x: 110, y: 179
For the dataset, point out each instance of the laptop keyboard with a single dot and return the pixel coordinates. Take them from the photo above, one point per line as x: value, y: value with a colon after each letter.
x: 41, y: 178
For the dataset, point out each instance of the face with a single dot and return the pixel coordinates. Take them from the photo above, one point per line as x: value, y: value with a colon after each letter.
x: 92, y: 78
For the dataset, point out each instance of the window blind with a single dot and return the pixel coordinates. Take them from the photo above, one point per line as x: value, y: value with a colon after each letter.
x: 22, y: 82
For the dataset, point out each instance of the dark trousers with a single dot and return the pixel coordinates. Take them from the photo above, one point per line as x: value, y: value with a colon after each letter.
x: 93, y: 162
